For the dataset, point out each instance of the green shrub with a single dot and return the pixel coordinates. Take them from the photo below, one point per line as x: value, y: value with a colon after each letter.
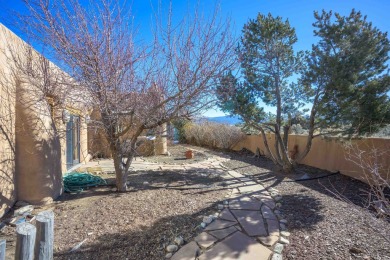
x: 179, y: 125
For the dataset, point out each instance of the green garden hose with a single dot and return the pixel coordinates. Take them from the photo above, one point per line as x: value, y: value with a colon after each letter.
x: 77, y: 182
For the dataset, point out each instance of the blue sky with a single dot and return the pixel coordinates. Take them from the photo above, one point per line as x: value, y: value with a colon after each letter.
x: 299, y: 13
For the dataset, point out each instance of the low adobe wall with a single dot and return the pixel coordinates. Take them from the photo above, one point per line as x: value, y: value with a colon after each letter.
x: 328, y: 153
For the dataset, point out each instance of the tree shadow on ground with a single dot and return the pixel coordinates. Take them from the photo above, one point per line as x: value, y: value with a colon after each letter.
x: 330, y: 184
x: 308, y: 208
x: 149, y: 242
x: 147, y: 180
x: 203, y: 179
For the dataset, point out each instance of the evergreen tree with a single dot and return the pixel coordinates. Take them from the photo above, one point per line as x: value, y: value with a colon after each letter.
x: 344, y: 78
x: 347, y: 72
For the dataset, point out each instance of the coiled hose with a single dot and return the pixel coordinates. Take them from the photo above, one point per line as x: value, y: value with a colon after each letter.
x: 77, y: 182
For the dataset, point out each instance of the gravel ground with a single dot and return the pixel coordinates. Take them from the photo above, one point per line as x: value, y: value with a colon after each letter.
x: 133, y: 225
x: 326, y: 217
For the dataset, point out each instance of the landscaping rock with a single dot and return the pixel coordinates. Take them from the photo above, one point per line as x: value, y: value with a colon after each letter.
x: 220, y: 206
x: 276, y: 257
x: 172, y: 248
x: 283, y: 227
x: 284, y: 240
x: 203, y: 225
x: 278, y: 248
x: 207, y: 219
x: 179, y: 240
x: 169, y: 255
x: 285, y: 233
x: 23, y: 210
x: 284, y: 221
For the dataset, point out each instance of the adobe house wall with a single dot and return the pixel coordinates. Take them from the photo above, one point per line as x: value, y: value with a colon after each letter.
x: 328, y: 154
x: 32, y: 139
x: 7, y: 129
x: 38, y: 149
x: 99, y: 147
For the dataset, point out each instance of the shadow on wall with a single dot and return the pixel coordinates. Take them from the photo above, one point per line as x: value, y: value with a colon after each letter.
x: 7, y: 145
x: 328, y: 154
x: 7, y: 177
x: 38, y: 150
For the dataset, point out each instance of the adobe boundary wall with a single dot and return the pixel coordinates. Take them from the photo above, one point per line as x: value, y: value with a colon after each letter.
x: 330, y: 153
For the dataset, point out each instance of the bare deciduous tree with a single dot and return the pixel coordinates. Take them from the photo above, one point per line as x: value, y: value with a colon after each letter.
x: 376, y: 175
x: 133, y: 85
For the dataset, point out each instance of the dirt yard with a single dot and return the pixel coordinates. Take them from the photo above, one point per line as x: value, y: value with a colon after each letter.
x: 326, y: 217
x: 132, y: 225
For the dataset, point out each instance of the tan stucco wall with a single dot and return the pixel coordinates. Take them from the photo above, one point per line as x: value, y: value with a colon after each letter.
x: 7, y: 130
x: 33, y: 170
x: 98, y: 146
x: 328, y: 154
x: 38, y: 150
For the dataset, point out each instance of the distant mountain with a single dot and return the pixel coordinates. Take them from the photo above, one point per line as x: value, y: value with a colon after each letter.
x: 229, y: 120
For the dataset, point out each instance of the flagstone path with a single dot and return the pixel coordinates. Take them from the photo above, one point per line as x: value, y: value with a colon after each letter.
x: 247, y: 226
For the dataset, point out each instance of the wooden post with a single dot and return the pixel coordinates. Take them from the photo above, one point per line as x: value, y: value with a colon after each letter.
x: 45, y: 236
x: 25, y: 239
x: 2, y: 249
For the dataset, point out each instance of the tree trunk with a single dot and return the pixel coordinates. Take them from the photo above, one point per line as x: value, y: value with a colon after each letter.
x: 286, y: 162
x: 310, y: 136
x: 120, y: 174
x: 288, y: 166
x: 267, y: 146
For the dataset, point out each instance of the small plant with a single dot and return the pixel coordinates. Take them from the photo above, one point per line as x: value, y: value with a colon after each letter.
x: 179, y: 125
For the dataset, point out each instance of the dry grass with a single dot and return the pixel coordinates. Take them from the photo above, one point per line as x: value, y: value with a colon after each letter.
x: 213, y: 135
